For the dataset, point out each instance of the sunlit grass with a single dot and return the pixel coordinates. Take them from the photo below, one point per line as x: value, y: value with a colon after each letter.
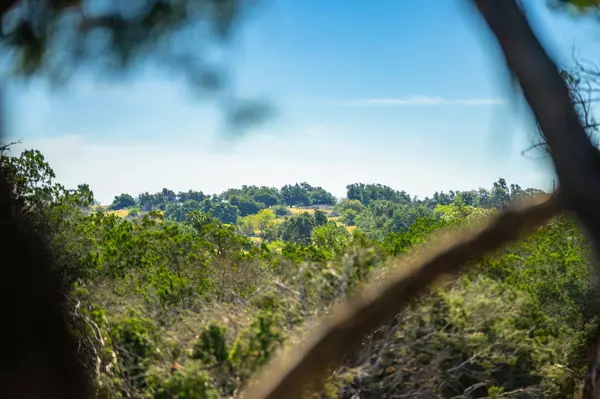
x: 298, y: 211
x: 121, y: 212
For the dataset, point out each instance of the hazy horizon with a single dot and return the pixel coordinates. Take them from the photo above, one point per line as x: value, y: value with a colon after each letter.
x: 410, y: 98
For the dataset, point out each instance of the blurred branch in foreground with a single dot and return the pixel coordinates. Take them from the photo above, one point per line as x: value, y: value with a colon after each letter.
x: 55, y: 39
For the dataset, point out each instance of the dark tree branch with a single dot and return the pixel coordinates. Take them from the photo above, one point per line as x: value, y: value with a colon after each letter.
x: 577, y: 165
x: 6, y: 147
x: 343, y: 333
x: 576, y: 160
x: 6, y: 6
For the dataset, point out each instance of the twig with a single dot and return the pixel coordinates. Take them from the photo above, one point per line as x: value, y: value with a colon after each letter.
x: 346, y: 328
x: 576, y: 161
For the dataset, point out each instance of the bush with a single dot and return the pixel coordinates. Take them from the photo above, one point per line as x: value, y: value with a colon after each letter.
x: 211, y: 347
x: 349, y: 217
x: 281, y: 210
x: 255, y: 346
x: 133, y: 342
x: 512, y: 326
x: 480, y: 336
x: 121, y: 202
x: 190, y: 383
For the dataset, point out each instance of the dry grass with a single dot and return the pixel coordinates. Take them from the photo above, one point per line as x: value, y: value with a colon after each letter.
x: 297, y: 211
x: 121, y: 212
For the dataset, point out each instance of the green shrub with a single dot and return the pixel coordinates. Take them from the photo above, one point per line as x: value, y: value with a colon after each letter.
x: 211, y: 347
x: 255, y: 346
x: 190, y: 383
x: 348, y: 217
x: 133, y: 340
x: 281, y: 210
x: 481, y: 336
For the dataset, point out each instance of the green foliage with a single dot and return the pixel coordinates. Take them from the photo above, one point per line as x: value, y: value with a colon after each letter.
x: 417, y: 233
x: 331, y: 238
x: 298, y: 228
x: 350, y: 204
x: 31, y: 176
x: 319, y: 196
x: 121, y: 202
x: 223, y: 211
x: 156, y: 201
x: 192, y: 383
x: 179, y: 211
x: 218, y: 238
x: 459, y: 212
x: 265, y: 196
x: 320, y: 218
x: 133, y: 340
x: 561, y: 285
x: 482, y: 336
x: 498, y: 197
x: 348, y: 217
x: 256, y: 224
x: 349, y: 210
x: 268, y: 196
x: 190, y: 290
x: 304, y: 194
x: 365, y: 193
x: 192, y: 195
x: 271, y: 233
x: 246, y: 205
x: 33, y: 182
x: 211, y: 348
x: 134, y: 211
x: 255, y: 346
x: 281, y: 210
x: 384, y: 217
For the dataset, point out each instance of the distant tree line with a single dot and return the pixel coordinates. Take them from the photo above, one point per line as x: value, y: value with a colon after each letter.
x: 498, y: 197
x: 380, y: 210
x: 228, y: 205
x: 375, y: 208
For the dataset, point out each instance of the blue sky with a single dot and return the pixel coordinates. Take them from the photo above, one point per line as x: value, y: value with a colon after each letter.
x: 398, y: 92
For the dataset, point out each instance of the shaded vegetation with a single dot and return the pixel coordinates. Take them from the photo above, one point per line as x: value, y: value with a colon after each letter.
x: 181, y: 304
x: 185, y: 304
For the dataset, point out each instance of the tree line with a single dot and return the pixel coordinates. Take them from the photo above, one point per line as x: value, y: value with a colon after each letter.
x: 195, y: 308
x: 379, y: 200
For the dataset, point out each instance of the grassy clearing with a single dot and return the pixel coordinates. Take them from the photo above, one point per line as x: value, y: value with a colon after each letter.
x: 294, y: 211
x: 121, y: 212
x: 297, y: 211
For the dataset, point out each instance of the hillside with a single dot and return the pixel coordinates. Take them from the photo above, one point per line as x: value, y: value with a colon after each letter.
x: 187, y: 295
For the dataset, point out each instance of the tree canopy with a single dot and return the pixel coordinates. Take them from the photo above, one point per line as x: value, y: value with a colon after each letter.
x: 187, y: 305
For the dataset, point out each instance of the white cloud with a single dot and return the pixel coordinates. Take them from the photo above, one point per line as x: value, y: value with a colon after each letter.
x: 421, y: 101
x: 111, y: 168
